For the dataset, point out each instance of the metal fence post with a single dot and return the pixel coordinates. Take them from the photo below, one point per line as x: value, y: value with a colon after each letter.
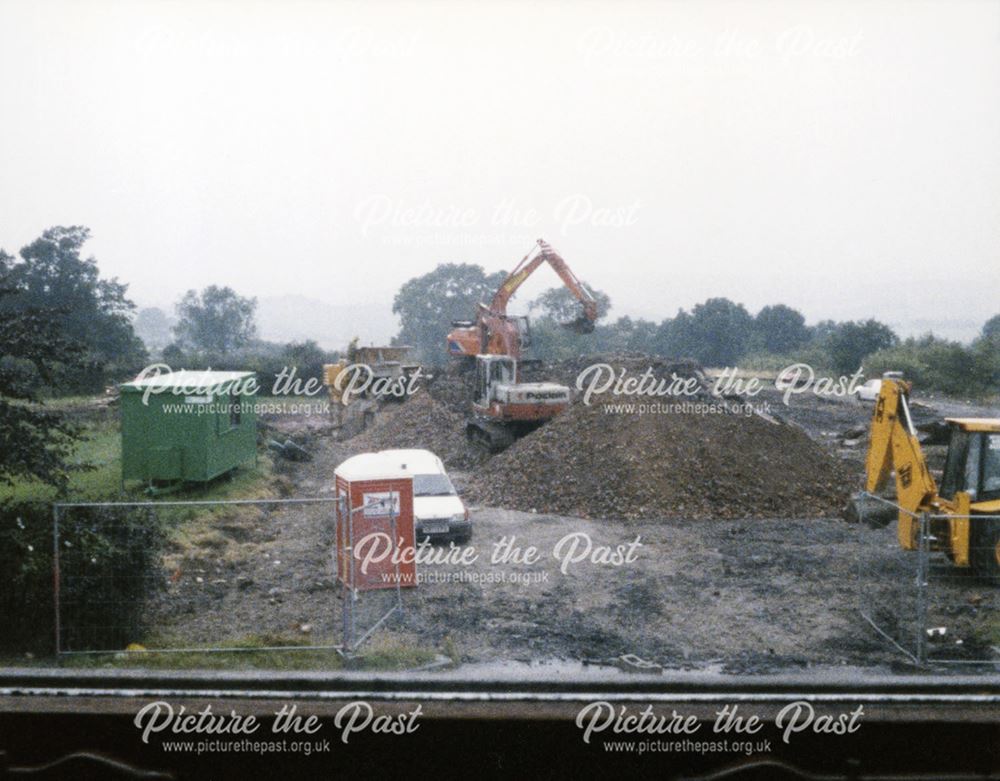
x: 923, y: 566
x: 392, y: 524
x: 859, y: 582
x: 349, y: 595
x: 55, y: 578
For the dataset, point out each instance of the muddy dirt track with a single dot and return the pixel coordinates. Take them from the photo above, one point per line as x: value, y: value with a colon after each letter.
x: 738, y: 595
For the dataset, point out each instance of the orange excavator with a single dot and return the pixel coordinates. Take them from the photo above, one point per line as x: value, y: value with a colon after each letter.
x: 494, y: 332
x: 503, y: 407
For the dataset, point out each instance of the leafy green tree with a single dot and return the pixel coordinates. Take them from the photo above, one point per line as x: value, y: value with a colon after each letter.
x: 559, y: 304
x: 987, y: 353
x: 52, y: 276
x: 852, y: 342
x: 935, y: 364
x: 33, y: 352
x: 624, y: 334
x: 991, y: 328
x: 716, y: 333
x: 820, y: 333
x: 308, y: 358
x: 641, y: 335
x: 153, y: 326
x: 779, y: 329
x: 216, y: 321
x: 427, y: 305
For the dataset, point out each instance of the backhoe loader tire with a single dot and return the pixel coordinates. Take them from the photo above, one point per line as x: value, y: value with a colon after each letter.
x: 984, y: 553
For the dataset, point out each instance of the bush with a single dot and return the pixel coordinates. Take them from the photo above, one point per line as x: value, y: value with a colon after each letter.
x: 109, y: 566
x: 267, y: 359
x: 935, y: 364
x: 850, y: 343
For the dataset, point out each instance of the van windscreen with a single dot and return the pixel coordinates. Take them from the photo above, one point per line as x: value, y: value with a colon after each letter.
x: 432, y: 485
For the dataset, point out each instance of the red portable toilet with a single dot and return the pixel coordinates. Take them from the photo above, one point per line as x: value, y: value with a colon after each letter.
x: 374, y: 523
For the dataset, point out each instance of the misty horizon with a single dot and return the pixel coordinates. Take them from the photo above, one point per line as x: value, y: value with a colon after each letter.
x: 840, y: 160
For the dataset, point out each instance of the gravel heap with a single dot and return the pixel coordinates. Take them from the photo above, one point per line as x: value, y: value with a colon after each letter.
x: 453, y: 387
x: 592, y: 464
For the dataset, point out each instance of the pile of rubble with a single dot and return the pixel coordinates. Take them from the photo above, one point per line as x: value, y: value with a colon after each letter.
x: 595, y: 463
x: 453, y: 387
x: 420, y: 422
x: 592, y: 463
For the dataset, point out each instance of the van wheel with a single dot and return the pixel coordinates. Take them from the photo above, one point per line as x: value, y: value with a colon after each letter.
x: 984, y: 541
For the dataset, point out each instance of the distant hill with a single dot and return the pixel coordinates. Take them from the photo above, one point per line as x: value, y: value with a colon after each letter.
x: 332, y: 326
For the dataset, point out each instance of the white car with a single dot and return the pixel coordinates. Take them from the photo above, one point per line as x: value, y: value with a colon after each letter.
x: 438, y: 511
x: 869, y: 391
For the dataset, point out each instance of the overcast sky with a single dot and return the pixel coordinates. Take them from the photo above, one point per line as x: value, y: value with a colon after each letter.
x: 840, y: 157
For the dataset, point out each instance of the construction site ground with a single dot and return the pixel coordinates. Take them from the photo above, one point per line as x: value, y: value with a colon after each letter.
x: 743, y: 595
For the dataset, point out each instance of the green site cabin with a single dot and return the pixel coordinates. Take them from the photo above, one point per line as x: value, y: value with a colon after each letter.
x: 187, y: 426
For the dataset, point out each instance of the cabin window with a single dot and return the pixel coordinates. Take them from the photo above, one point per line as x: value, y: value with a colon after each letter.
x: 972, y: 463
x: 954, y: 470
x: 234, y: 410
x: 991, y: 466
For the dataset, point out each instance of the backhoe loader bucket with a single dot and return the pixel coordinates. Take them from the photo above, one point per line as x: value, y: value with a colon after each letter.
x: 871, y: 512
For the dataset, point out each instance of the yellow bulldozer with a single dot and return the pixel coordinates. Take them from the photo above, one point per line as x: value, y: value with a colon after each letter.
x: 964, y: 512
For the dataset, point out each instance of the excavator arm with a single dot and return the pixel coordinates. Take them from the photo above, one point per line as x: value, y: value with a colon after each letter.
x: 494, y: 333
x: 543, y: 252
x: 894, y: 446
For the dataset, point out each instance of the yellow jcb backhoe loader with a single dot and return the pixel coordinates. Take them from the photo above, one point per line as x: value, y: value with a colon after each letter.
x: 970, y: 484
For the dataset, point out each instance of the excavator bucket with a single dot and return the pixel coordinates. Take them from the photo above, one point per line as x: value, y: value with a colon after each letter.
x: 581, y: 325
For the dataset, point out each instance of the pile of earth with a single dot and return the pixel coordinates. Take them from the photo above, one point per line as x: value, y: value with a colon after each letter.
x: 419, y: 422
x: 453, y: 387
x: 595, y: 464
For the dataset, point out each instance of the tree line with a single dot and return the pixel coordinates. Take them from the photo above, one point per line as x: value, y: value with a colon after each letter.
x: 717, y: 332
x: 66, y: 330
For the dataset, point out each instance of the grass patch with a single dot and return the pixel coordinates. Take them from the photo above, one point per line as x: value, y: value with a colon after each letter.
x: 256, y: 652
x: 97, y: 477
x: 97, y: 457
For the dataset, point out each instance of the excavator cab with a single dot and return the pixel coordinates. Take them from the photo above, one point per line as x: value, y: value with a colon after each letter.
x: 492, y: 370
x: 973, y: 462
x: 504, y: 408
x: 494, y: 332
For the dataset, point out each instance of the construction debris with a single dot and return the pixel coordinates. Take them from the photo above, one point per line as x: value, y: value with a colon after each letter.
x: 420, y: 423
x: 594, y: 463
x: 289, y: 450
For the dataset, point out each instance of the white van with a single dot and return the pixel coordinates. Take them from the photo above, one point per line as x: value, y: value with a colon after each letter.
x: 438, y: 511
x: 871, y: 389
